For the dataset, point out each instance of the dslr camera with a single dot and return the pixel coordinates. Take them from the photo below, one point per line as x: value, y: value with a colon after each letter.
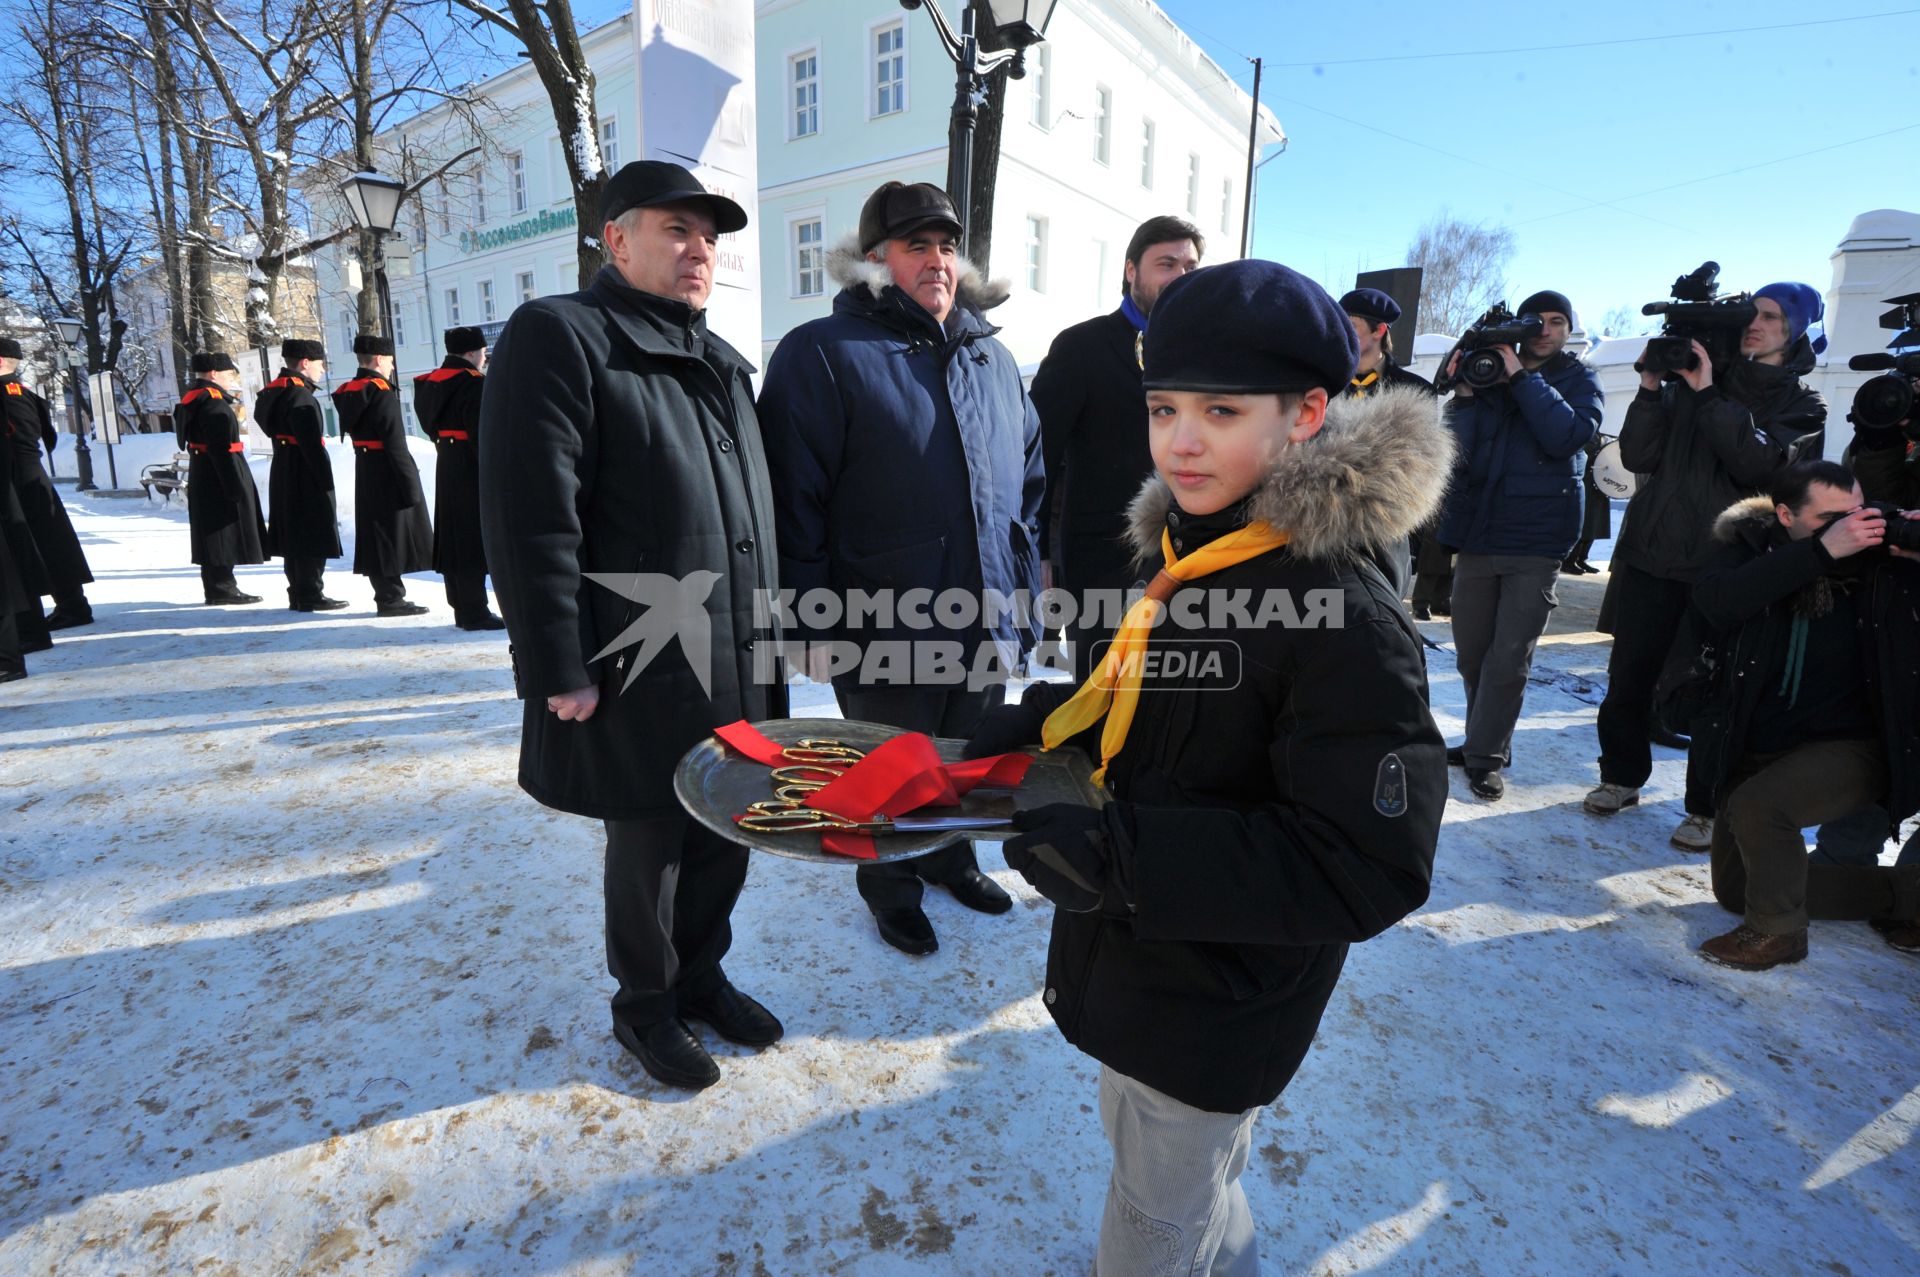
x: 1902, y: 533
x: 1696, y: 313
x: 1479, y: 348
x: 1887, y: 400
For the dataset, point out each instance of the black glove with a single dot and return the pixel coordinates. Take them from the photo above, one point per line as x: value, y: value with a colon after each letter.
x: 1065, y: 851
x: 1003, y: 729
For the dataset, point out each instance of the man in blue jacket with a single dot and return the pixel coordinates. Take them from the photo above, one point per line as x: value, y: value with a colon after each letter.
x: 1512, y: 514
x: 906, y: 457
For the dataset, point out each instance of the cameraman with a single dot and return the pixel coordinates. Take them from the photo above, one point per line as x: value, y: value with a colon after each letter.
x: 1512, y: 513
x: 1699, y: 444
x: 1815, y: 711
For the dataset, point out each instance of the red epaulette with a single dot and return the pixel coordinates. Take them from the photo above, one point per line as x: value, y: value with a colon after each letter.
x: 359, y: 384
x: 13, y: 388
x: 447, y: 374
x: 283, y: 381
x: 210, y: 392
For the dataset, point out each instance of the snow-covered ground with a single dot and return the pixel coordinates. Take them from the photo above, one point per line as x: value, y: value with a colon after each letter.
x: 294, y: 979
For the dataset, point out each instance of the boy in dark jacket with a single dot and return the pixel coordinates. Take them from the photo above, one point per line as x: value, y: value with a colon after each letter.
x: 223, y: 508
x: 1203, y: 914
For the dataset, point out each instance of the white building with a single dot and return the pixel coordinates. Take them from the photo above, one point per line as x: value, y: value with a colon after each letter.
x: 1121, y: 117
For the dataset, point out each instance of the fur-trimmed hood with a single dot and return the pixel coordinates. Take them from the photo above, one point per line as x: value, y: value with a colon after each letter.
x: 848, y: 267
x: 1754, y: 513
x: 1377, y: 470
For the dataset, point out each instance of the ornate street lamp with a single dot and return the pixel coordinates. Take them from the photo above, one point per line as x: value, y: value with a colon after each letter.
x: 374, y: 201
x: 1019, y: 24
x: 68, y: 330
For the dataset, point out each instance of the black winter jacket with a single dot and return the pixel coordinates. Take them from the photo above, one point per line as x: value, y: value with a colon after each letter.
x: 1696, y: 454
x: 391, y: 534
x: 29, y: 424
x: 1266, y: 828
x: 618, y: 440
x: 448, y: 403
x: 301, y: 517
x: 223, y: 507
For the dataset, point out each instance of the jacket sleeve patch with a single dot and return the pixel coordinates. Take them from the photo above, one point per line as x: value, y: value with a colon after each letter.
x: 1390, y: 787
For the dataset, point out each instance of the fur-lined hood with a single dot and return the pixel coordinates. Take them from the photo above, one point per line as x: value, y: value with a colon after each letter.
x: 1377, y: 470
x: 1755, y: 513
x: 847, y: 266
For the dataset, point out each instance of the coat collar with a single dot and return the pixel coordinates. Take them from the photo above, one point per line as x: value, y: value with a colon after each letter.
x: 867, y: 288
x: 661, y: 325
x: 1376, y: 471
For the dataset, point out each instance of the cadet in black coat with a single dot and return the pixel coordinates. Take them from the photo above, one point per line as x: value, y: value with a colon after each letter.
x: 391, y: 535
x: 223, y: 508
x: 23, y: 627
x: 623, y: 489
x: 1093, y: 431
x: 302, y: 526
x: 448, y: 402
x: 28, y: 424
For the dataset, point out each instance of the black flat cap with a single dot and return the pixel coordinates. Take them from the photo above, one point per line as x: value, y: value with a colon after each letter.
x: 1248, y: 328
x: 464, y: 341
x: 650, y: 183
x: 10, y: 349
x: 897, y: 209
x: 1371, y: 303
x: 211, y: 361
x: 368, y: 344
x: 294, y: 349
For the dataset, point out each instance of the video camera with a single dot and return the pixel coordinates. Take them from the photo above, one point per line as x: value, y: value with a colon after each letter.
x: 1696, y: 313
x: 1479, y: 348
x: 1888, y: 400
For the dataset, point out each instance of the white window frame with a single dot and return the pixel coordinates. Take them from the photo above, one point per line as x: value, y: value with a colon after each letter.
x: 609, y: 143
x: 568, y: 274
x: 1036, y: 253
x: 795, y: 112
x: 1040, y: 87
x: 1102, y: 124
x: 796, y: 218
x: 874, y: 29
x: 418, y: 222
x: 445, y: 208
x: 399, y: 309
x: 479, y: 174
x: 1146, y: 153
x: 1193, y: 185
x: 1226, y: 204
x: 452, y: 298
x: 489, y: 306
x: 524, y: 287
x: 516, y: 181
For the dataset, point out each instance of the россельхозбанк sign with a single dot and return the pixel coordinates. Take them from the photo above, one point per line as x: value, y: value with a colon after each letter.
x: 546, y: 223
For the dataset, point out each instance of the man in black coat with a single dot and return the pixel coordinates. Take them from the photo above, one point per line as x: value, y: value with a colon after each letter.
x: 391, y: 535
x: 28, y: 425
x: 302, y: 528
x: 1373, y: 314
x: 223, y: 508
x: 23, y: 580
x: 448, y: 401
x: 622, y: 482
x: 1093, y: 431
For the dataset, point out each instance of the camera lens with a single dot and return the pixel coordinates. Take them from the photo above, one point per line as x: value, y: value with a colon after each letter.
x: 1483, y: 368
x: 1882, y: 401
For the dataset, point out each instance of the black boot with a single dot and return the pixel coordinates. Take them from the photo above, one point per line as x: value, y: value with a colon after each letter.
x: 734, y: 1016
x: 229, y: 595
x: 484, y: 621
x: 669, y: 1053
x: 907, y: 930
x: 67, y: 615
x: 977, y: 891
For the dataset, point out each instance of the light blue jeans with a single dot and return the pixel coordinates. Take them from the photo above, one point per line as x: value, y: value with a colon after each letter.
x: 1175, y: 1207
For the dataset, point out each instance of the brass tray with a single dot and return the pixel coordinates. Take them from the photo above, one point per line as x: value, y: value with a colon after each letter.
x: 715, y: 784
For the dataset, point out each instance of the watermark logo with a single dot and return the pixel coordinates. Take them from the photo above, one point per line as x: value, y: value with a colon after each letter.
x: 676, y: 608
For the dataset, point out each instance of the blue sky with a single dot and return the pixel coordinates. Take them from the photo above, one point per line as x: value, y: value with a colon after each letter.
x: 1563, y: 145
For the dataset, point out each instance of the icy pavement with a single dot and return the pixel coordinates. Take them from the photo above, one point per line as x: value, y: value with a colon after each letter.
x: 294, y: 979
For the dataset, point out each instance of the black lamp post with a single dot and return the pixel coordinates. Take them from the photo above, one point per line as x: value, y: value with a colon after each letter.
x: 374, y: 201
x: 68, y: 330
x: 1019, y: 24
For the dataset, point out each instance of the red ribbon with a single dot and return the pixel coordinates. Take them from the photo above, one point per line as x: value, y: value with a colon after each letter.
x: 902, y: 775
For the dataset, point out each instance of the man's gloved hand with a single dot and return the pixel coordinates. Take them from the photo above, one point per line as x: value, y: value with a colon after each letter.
x: 1063, y: 850
x: 1003, y: 729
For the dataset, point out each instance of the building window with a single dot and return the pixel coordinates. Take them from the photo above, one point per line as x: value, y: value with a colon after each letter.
x: 1102, y: 123
x: 890, y: 69
x: 1146, y: 154
x: 517, y: 181
x: 1040, y: 84
x: 453, y: 308
x: 805, y: 74
x: 1037, y: 254
x: 1193, y: 186
x: 479, y: 194
x: 444, y: 208
x: 1226, y: 205
x: 809, y: 259
x: 567, y: 271
x: 1100, y: 293
x: 610, y: 143
x: 487, y: 309
x: 523, y: 284
x: 419, y: 222
x: 399, y: 324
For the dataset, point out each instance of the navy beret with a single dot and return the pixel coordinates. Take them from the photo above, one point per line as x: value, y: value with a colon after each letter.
x: 1248, y: 328
x: 1544, y: 301
x: 294, y: 349
x: 1371, y: 303
x: 368, y: 344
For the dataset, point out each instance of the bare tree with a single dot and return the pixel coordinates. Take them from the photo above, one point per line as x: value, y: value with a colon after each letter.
x: 1465, y: 265
x: 1625, y: 321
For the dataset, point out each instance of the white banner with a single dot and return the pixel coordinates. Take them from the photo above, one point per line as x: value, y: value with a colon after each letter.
x: 106, y: 420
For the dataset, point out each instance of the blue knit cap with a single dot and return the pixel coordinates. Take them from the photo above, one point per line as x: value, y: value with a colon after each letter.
x: 1803, y: 308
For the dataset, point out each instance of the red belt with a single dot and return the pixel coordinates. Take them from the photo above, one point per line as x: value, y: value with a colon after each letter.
x: 461, y: 435
x: 370, y: 445
x: 232, y: 447
x: 286, y: 439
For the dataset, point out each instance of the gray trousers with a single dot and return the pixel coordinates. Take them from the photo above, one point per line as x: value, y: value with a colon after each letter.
x: 1500, y: 607
x: 1175, y: 1207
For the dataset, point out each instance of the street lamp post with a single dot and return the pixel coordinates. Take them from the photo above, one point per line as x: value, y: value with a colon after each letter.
x: 1019, y: 24
x: 68, y: 330
x: 374, y: 201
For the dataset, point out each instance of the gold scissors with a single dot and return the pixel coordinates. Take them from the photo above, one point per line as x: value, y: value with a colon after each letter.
x: 823, y: 752
x: 771, y: 818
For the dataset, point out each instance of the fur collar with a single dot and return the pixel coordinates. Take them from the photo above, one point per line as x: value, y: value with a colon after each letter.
x: 848, y: 267
x: 1754, y: 514
x: 1376, y: 471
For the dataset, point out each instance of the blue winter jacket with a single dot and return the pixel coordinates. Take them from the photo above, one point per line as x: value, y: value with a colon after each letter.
x: 1517, y: 471
x: 904, y: 456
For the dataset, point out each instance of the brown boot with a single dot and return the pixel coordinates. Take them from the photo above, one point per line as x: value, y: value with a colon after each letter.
x: 1751, y: 950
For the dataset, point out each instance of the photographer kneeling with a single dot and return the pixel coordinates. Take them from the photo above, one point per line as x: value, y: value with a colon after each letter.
x: 1815, y: 710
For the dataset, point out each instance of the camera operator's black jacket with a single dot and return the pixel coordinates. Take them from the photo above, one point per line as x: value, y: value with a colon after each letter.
x: 1886, y: 470
x: 1696, y: 454
x: 1748, y: 598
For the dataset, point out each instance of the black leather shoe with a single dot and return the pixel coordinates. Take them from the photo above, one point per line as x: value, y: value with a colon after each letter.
x: 669, y: 1053
x: 233, y: 596
x: 402, y: 608
x: 44, y: 645
x: 1421, y: 612
x: 977, y: 891
x: 734, y: 1016
x: 321, y: 604
x: 12, y: 676
x: 906, y: 930
x: 65, y: 618
x: 1486, y: 782
x: 485, y: 621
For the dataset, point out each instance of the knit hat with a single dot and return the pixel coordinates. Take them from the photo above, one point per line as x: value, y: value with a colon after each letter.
x: 368, y: 344
x: 294, y: 349
x: 1371, y: 303
x: 464, y: 341
x: 1248, y: 328
x: 10, y: 349
x: 211, y: 361
x: 1544, y: 301
x: 1803, y: 308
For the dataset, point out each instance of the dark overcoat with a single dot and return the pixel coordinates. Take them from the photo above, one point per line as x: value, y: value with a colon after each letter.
x: 301, y: 521
x: 28, y: 424
x: 223, y: 508
x: 448, y: 403
x: 391, y: 534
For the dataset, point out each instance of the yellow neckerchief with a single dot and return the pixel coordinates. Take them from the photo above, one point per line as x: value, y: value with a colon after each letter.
x: 1114, y: 688
x: 1361, y: 384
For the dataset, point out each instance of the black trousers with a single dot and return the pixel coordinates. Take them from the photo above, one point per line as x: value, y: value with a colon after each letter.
x: 1648, y: 613
x: 387, y: 590
x: 30, y: 625
x: 466, y: 594
x: 937, y: 711
x: 670, y: 886
x: 305, y: 578
x: 215, y: 580
x: 12, y: 659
